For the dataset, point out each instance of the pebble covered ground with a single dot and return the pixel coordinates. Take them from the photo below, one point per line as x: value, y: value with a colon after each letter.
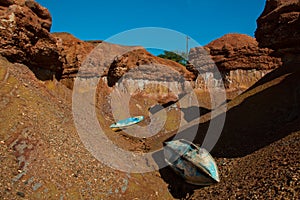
x: 42, y: 156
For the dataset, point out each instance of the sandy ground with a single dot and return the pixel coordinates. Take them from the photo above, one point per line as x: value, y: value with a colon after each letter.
x: 42, y: 156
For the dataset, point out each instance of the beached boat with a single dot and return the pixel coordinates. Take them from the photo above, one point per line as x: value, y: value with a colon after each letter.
x: 191, y: 162
x: 126, y: 122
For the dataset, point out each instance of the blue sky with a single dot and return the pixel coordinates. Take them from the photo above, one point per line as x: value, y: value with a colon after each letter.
x: 202, y: 20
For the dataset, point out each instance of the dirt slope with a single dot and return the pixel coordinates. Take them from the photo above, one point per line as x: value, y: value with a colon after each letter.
x: 41, y: 154
x: 258, y: 152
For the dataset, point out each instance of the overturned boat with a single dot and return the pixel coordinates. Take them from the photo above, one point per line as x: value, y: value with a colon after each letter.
x: 191, y: 162
x: 126, y: 122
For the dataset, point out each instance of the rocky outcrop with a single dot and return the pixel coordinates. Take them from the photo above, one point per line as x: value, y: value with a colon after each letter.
x: 278, y: 26
x: 73, y: 52
x: 238, y: 58
x: 25, y: 37
x: 140, y: 57
x: 239, y: 51
x: 139, y: 72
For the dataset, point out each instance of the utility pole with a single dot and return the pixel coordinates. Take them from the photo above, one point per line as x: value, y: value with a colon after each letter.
x: 187, y: 47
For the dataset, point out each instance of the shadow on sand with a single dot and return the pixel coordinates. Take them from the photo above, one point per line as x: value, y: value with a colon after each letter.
x: 178, y: 188
x: 265, y: 113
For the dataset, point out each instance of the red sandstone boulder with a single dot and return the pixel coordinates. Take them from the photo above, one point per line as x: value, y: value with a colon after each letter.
x: 239, y: 59
x: 73, y: 52
x: 25, y: 37
x: 278, y: 27
x: 240, y: 51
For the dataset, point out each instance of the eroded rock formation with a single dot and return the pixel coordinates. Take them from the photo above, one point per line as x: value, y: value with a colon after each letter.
x: 240, y: 51
x: 160, y: 79
x: 25, y: 37
x: 239, y: 59
x: 141, y: 57
x: 278, y: 26
x: 73, y: 52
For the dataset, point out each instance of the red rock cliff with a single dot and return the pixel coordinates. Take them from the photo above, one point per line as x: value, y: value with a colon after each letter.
x: 239, y: 59
x: 278, y: 27
x: 73, y: 52
x: 25, y: 37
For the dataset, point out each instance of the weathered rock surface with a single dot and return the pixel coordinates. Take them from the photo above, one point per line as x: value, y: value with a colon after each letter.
x: 278, y: 26
x: 140, y: 57
x: 160, y: 79
x: 239, y: 59
x: 239, y: 51
x: 25, y: 37
x: 73, y: 52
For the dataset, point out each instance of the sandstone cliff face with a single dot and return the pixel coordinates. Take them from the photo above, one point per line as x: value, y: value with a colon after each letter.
x: 239, y: 59
x: 25, y: 37
x: 141, y: 57
x: 73, y: 52
x: 278, y: 26
x: 161, y: 79
x: 240, y: 51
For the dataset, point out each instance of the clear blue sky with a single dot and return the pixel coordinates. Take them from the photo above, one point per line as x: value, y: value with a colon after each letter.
x: 203, y: 20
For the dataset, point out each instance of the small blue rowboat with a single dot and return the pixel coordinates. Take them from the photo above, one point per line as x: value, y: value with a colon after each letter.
x: 126, y: 122
x: 191, y: 162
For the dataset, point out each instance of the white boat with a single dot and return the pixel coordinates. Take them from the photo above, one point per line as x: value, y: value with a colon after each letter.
x: 191, y: 162
x: 126, y: 122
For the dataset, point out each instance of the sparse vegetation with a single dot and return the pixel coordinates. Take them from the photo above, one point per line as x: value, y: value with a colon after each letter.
x: 177, y: 57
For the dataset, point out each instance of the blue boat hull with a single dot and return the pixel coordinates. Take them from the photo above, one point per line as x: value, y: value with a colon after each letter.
x: 191, y: 162
x: 127, y: 122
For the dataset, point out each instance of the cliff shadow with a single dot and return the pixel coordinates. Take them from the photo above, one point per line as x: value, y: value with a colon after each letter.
x: 189, y: 114
x: 177, y: 186
x: 258, y: 117
x: 269, y: 113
